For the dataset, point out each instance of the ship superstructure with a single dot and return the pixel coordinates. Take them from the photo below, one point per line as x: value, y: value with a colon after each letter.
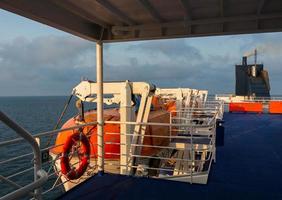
x: 251, y: 79
x: 252, y: 83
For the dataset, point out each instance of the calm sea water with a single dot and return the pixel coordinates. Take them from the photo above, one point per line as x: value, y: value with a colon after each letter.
x: 35, y: 114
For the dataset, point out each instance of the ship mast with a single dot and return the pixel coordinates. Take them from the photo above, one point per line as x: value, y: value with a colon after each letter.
x: 255, y: 55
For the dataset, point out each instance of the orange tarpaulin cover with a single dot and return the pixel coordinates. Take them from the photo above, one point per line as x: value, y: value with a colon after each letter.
x: 112, y: 133
x: 245, y: 107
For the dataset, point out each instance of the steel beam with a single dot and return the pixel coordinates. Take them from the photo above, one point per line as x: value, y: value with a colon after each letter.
x: 259, y: 10
x: 51, y: 14
x: 186, y: 6
x: 115, y: 11
x: 218, y: 20
x: 213, y: 29
x: 222, y: 5
x: 153, y: 12
x: 77, y: 10
x: 260, y: 6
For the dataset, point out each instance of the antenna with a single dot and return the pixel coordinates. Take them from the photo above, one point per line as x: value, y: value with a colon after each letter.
x: 255, y: 53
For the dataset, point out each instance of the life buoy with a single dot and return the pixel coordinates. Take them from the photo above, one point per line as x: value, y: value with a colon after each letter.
x: 66, y: 169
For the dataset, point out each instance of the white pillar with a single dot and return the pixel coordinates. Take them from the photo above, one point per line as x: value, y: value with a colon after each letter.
x: 100, y: 114
x: 126, y: 115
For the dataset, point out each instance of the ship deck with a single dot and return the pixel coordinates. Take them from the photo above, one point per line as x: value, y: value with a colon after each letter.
x: 247, y: 167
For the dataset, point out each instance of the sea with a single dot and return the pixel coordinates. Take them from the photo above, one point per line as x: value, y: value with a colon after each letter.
x: 36, y: 115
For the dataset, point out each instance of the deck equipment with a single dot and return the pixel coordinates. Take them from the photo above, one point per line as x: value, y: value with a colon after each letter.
x: 108, y: 21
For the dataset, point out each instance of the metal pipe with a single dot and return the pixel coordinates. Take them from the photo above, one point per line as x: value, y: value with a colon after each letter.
x: 14, y: 141
x: 36, y: 150
x: 15, y: 158
x: 158, y: 124
x: 100, y: 114
x: 17, y: 140
x: 13, y: 184
x: 244, y: 61
x: 42, y: 178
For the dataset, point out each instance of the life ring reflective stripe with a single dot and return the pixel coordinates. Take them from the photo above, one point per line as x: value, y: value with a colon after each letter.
x: 66, y: 168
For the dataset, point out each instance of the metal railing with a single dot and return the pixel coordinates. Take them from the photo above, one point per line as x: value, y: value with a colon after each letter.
x: 40, y: 176
x: 186, y: 153
x: 233, y: 98
x: 48, y: 177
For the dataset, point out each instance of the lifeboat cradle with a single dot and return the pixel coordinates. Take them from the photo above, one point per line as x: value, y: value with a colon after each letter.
x: 184, y: 152
x: 183, y: 144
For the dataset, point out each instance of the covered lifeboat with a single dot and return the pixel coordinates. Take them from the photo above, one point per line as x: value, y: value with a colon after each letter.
x: 159, y: 113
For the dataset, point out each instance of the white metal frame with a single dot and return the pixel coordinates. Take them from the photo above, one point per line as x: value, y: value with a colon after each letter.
x: 122, y: 94
x: 228, y: 98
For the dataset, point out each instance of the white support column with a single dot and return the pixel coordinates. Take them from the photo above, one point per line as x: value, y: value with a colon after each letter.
x: 100, y: 114
x: 126, y: 114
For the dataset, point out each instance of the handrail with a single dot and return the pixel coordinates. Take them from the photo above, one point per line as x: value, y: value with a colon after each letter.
x: 39, y: 176
x: 247, y: 98
x: 42, y: 178
x: 178, y: 127
x: 13, y: 141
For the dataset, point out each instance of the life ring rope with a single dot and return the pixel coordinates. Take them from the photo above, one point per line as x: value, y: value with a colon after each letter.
x: 84, y: 155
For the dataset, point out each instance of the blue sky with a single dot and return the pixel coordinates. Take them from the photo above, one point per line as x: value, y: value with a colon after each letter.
x: 39, y: 60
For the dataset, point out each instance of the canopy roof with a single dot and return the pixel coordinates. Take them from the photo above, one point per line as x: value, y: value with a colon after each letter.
x: 123, y: 20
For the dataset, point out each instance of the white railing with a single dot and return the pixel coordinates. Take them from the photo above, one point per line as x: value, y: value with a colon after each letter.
x: 40, y: 176
x: 227, y: 98
x: 186, y: 154
x: 24, y: 170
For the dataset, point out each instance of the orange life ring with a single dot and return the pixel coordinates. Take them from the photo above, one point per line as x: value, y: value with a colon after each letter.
x: 66, y: 168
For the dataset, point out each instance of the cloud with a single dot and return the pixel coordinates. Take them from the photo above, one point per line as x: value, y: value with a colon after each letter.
x: 172, y: 49
x: 53, y: 65
x: 44, y: 65
x: 47, y: 51
x: 178, y: 63
x: 174, y: 64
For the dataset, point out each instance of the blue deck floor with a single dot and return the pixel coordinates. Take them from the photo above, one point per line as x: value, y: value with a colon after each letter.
x: 249, y: 166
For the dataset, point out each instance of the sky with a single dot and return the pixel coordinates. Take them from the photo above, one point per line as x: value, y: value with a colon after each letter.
x: 37, y: 60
